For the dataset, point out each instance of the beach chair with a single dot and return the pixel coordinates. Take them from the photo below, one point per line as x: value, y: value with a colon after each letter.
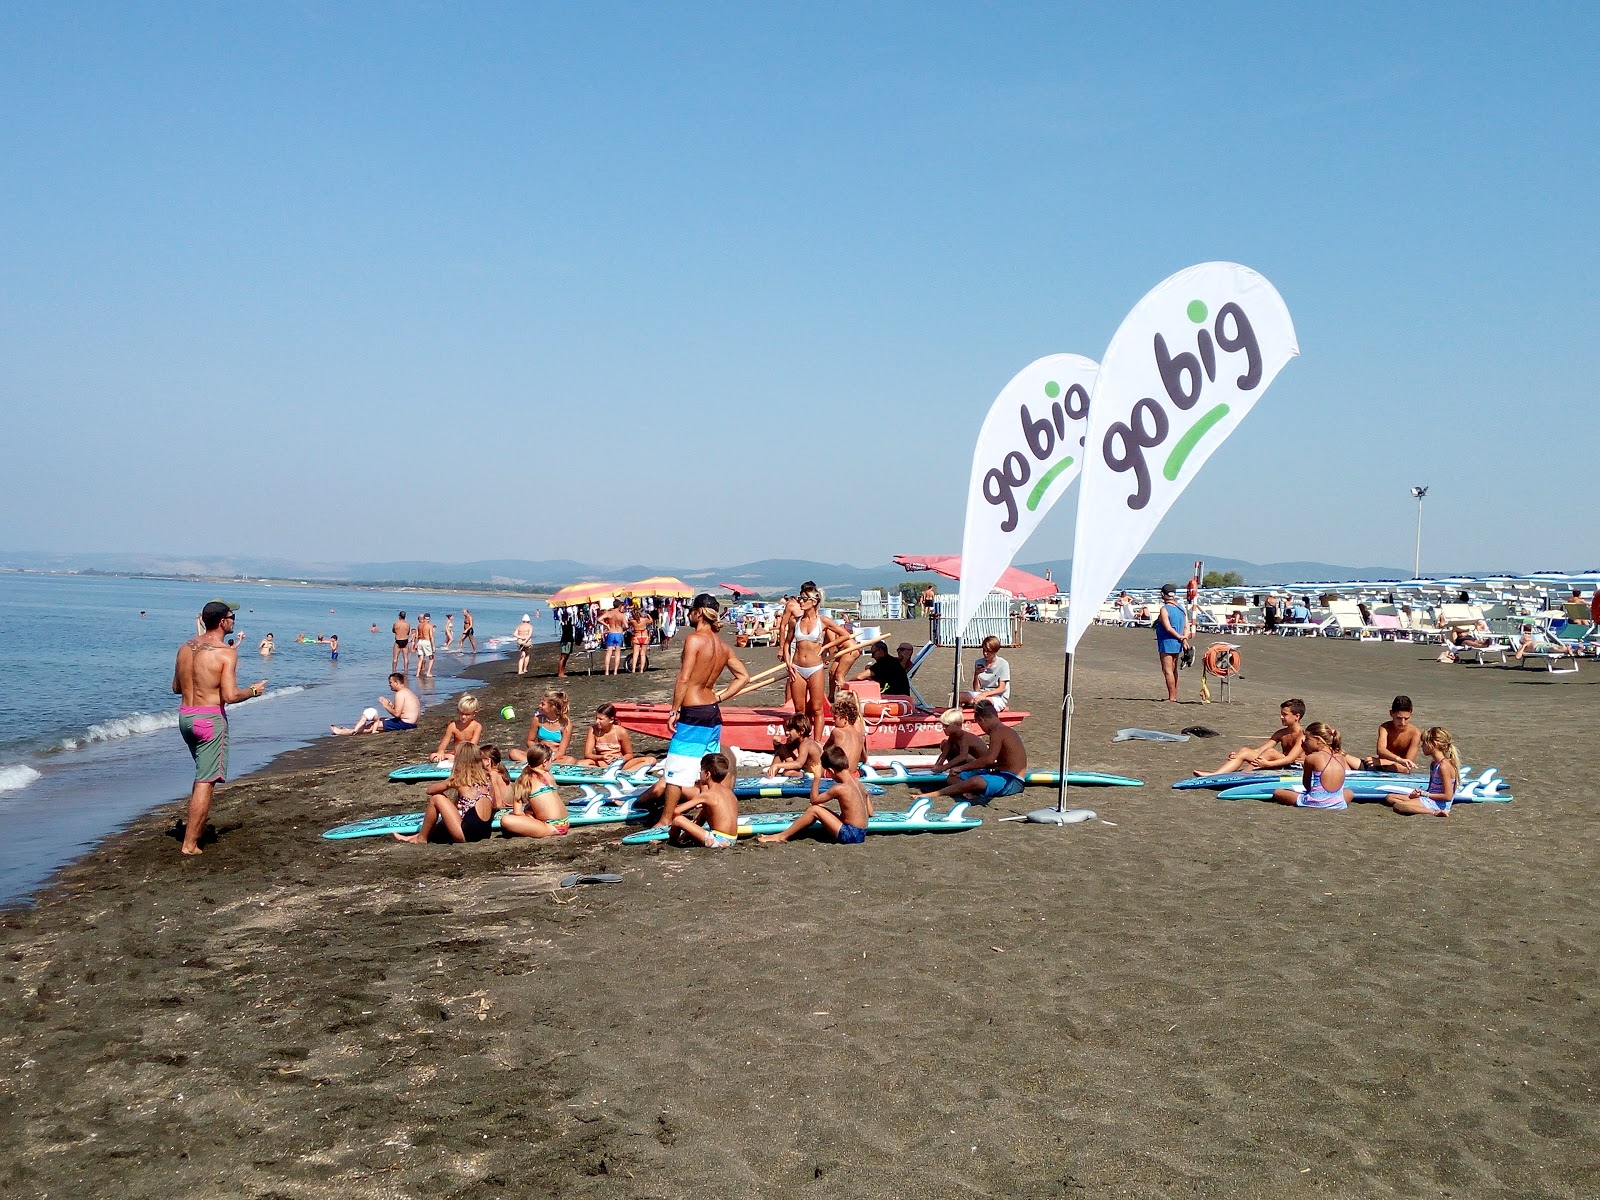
x: 1550, y: 651
x: 1497, y: 649
x: 917, y: 659
x: 1387, y: 626
x: 1344, y: 616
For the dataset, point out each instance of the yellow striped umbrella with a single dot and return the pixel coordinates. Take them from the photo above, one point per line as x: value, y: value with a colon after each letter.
x: 583, y: 593
x: 658, y: 585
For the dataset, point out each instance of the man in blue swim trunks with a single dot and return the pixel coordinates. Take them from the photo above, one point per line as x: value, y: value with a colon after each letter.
x: 999, y: 770
x: 696, y: 718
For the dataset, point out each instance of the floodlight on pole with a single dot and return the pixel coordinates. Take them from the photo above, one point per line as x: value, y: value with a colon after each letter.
x: 1416, y: 566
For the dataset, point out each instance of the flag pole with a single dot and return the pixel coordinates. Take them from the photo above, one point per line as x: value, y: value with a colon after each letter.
x: 1057, y: 815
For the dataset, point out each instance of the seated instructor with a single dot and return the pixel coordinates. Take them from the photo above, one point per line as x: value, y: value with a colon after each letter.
x: 205, y: 676
x: 886, y: 671
x: 695, y: 722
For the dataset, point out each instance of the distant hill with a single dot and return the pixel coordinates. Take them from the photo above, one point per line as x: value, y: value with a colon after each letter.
x: 765, y: 576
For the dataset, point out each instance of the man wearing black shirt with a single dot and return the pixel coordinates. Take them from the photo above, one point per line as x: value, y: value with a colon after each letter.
x: 886, y: 670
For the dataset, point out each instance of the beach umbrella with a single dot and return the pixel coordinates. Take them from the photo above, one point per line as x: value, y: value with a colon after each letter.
x: 1012, y: 581
x: 583, y: 593
x: 658, y: 585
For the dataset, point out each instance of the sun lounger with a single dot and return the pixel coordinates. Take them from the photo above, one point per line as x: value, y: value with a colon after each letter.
x: 1388, y: 627
x: 1344, y: 620
x: 1550, y: 652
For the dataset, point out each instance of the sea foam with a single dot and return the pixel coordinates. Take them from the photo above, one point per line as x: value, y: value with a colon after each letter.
x: 15, y: 776
x: 143, y: 722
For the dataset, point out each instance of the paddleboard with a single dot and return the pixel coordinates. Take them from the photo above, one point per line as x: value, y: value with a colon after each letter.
x: 917, y: 819
x: 900, y: 774
x: 1489, y: 789
x: 620, y: 786
x: 579, y: 813
x: 1284, y: 779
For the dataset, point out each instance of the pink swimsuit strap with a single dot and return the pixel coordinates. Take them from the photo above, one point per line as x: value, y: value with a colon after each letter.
x: 200, y: 710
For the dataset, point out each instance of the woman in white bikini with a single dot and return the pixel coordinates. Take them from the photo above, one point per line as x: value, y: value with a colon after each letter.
x: 802, y: 652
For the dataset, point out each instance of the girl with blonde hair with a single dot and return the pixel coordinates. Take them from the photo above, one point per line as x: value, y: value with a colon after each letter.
x: 1443, y: 776
x: 551, y: 727
x: 537, y: 810
x: 463, y: 805
x: 1323, y: 778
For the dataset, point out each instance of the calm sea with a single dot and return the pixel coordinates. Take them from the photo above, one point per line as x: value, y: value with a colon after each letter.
x: 88, y: 721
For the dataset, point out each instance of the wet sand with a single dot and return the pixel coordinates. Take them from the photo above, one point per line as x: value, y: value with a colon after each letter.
x: 1200, y: 997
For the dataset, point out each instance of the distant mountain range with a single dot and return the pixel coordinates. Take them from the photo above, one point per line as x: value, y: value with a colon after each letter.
x: 767, y: 575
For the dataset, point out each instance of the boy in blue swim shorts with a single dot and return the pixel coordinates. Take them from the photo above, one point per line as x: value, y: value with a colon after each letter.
x: 709, y: 813
x: 848, y: 826
x: 999, y: 770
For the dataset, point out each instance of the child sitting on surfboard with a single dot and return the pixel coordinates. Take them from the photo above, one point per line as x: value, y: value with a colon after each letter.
x: 1398, y: 741
x: 537, y: 810
x: 1322, y: 781
x: 607, y: 743
x: 1443, y: 776
x: 462, y: 806
x: 999, y: 769
x: 709, y: 812
x: 959, y: 747
x: 796, y: 754
x: 464, y: 729
x: 1282, y: 749
x: 848, y: 826
x: 849, y: 733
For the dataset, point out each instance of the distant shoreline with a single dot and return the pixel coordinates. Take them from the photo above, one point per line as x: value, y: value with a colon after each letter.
x: 359, y: 585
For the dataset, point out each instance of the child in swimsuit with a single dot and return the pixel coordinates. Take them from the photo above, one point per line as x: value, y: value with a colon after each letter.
x: 550, y: 728
x: 1443, y: 776
x: 796, y: 754
x: 848, y: 826
x: 461, y: 808
x: 537, y: 810
x: 464, y: 729
x: 608, y: 743
x: 709, y: 813
x: 1323, y: 774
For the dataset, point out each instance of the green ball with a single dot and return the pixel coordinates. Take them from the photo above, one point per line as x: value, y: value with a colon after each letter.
x: 507, y: 712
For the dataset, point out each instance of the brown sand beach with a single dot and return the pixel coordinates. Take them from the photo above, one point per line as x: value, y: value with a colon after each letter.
x: 1190, y: 997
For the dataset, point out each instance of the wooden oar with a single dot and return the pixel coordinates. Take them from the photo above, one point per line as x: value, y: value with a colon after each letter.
x: 772, y: 674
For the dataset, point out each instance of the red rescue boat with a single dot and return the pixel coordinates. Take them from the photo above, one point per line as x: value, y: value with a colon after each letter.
x: 893, y: 723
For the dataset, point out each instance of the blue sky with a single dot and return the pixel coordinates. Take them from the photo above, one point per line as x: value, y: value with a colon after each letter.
x: 696, y: 286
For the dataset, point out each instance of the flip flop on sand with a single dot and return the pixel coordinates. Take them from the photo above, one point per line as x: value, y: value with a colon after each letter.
x: 574, y: 880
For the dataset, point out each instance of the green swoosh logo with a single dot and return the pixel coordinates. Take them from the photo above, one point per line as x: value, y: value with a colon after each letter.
x: 1187, y: 443
x: 1045, y: 480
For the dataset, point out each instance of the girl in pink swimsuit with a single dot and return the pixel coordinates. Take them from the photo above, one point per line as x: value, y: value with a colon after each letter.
x: 1323, y: 778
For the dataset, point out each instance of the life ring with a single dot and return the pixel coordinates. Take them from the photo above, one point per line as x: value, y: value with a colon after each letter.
x: 887, y: 708
x: 1223, y: 660
x: 1194, y: 589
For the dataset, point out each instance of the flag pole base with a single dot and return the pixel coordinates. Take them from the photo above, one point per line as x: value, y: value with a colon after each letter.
x: 1055, y: 816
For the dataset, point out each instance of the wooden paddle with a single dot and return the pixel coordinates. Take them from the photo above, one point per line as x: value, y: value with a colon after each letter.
x: 772, y: 674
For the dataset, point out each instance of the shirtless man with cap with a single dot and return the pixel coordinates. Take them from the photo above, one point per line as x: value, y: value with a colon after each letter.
x: 205, y: 676
x: 696, y: 719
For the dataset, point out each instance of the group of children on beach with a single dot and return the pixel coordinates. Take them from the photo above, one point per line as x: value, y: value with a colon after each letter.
x: 462, y: 807
x: 1317, y: 749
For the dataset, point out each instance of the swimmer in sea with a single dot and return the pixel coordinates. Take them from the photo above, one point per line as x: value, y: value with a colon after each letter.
x: 267, y: 646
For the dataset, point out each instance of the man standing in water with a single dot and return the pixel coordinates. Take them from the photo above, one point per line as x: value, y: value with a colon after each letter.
x: 205, y: 677
x: 696, y: 720
x: 424, y: 642
x: 400, y: 660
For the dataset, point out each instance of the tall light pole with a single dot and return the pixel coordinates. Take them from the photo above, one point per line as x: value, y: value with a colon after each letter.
x: 1416, y: 566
